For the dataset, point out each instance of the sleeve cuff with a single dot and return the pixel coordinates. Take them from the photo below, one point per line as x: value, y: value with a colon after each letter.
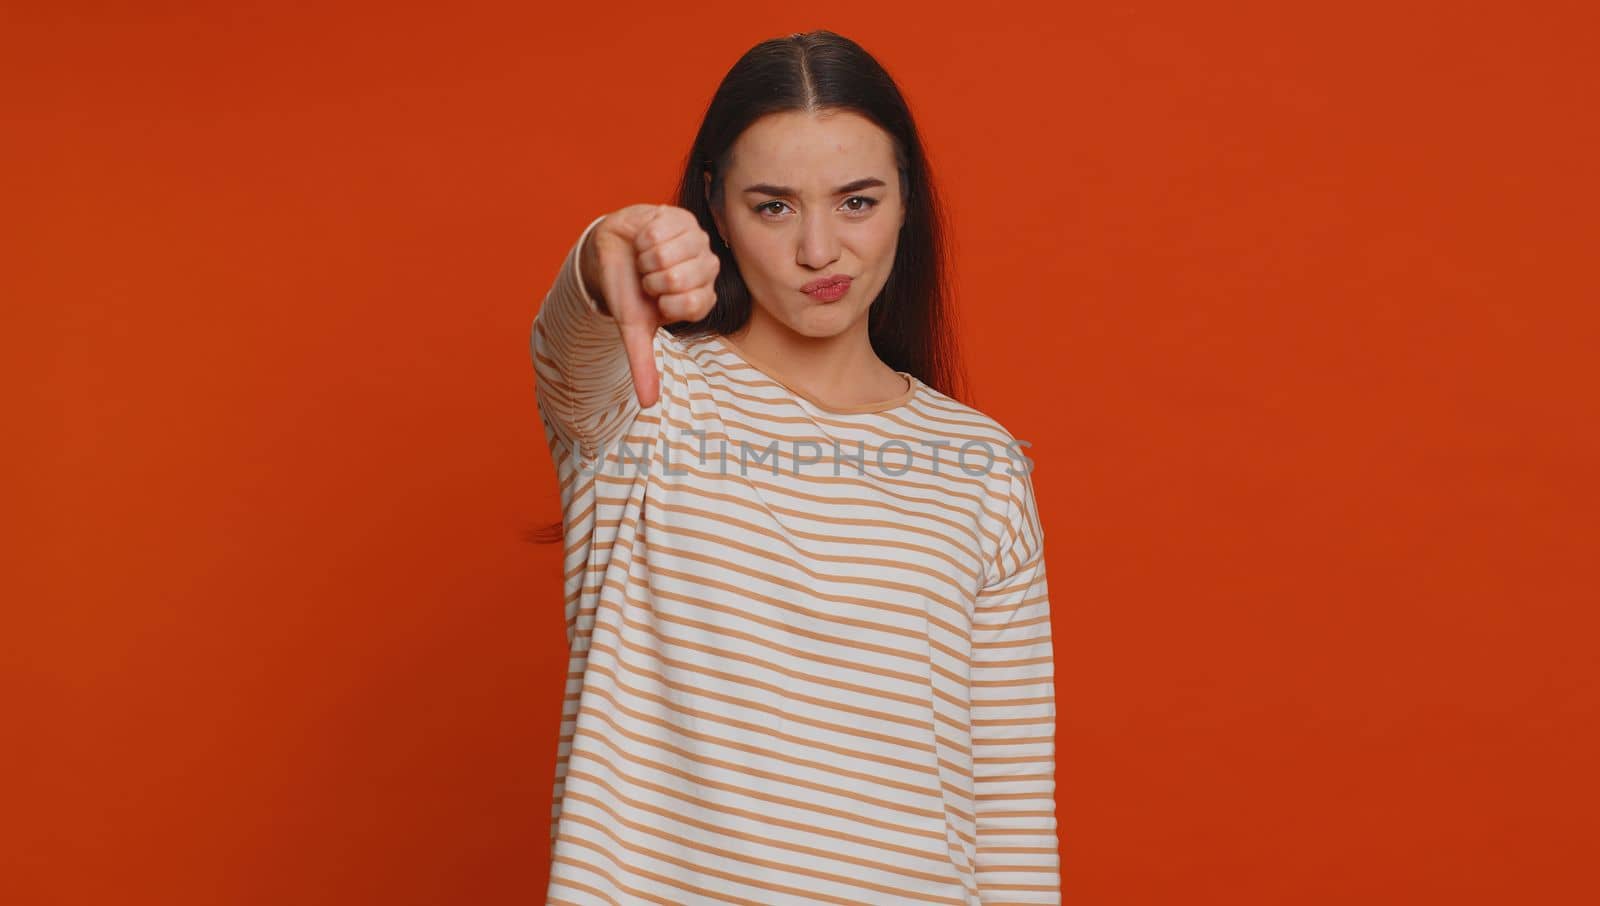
x: 577, y: 270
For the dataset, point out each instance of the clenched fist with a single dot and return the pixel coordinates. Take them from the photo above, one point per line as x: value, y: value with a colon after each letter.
x: 647, y: 265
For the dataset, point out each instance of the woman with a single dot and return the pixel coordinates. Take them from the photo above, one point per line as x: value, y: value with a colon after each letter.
x: 805, y: 586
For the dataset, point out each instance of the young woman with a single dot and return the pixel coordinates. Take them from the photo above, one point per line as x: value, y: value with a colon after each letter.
x: 807, y: 614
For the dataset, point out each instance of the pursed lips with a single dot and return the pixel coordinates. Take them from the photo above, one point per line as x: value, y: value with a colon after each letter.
x: 821, y: 282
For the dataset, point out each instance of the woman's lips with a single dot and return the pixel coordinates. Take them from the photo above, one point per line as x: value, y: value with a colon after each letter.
x: 827, y: 290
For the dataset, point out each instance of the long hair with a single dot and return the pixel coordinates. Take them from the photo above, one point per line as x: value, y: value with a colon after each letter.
x: 911, y: 323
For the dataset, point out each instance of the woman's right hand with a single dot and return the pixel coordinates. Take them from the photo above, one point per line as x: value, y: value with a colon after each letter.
x: 652, y: 264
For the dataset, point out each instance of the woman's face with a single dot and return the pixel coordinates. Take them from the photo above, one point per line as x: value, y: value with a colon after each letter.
x: 812, y: 195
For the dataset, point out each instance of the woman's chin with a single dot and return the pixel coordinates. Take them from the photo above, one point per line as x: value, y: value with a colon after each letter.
x: 823, y: 321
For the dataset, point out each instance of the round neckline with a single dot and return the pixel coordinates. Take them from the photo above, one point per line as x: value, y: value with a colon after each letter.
x: 770, y: 371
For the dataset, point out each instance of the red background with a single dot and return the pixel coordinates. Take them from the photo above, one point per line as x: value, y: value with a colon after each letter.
x: 1296, y: 306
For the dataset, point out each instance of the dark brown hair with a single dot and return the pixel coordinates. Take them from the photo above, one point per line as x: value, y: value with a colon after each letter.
x: 911, y: 323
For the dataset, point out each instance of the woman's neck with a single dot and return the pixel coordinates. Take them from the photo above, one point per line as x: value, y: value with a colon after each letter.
x: 841, y: 369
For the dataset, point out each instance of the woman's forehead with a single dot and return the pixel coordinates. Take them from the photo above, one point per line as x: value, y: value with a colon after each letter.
x: 812, y: 153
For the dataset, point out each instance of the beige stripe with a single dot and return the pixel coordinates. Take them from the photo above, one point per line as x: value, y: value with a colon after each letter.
x: 761, y: 642
x: 767, y: 507
x: 786, y: 538
x: 843, y: 730
x: 749, y: 880
x: 700, y: 870
x: 757, y: 816
x: 773, y: 665
x: 802, y: 805
x: 815, y: 852
x: 592, y: 891
x: 755, y: 571
x: 759, y: 731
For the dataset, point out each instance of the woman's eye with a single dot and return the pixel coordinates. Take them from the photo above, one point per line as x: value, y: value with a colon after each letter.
x: 867, y: 202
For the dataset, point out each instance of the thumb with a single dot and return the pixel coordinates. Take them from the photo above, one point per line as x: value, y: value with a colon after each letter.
x: 636, y: 314
x: 638, y: 340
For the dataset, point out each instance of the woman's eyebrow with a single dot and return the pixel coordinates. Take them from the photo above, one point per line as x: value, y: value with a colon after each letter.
x: 769, y: 189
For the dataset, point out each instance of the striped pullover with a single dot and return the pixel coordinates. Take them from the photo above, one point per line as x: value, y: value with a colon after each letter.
x: 810, y: 657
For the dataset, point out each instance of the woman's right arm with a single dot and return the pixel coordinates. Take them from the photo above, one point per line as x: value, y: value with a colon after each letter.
x: 595, y: 335
x: 584, y: 385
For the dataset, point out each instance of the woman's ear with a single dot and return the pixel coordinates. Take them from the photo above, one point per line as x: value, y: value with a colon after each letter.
x: 716, y: 215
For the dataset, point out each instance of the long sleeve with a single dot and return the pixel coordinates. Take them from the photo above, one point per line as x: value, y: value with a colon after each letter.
x: 1013, y: 717
x: 583, y: 385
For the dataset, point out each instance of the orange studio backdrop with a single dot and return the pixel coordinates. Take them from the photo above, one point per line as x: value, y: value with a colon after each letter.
x: 1297, y: 308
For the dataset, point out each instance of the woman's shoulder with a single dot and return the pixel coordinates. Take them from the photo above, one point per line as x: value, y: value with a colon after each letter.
x: 968, y: 420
